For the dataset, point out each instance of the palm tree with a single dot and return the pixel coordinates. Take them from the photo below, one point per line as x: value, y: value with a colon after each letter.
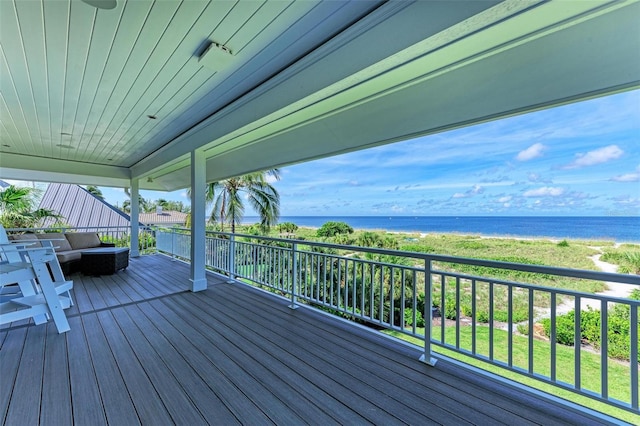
x: 227, y: 200
x: 17, y: 208
x: 95, y: 191
x: 143, y: 205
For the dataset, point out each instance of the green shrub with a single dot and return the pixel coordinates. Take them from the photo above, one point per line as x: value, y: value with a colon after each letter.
x: 331, y: 229
x: 408, y: 318
x: 482, y: 316
x: 564, y: 328
x: 450, y: 308
x: 287, y: 227
x: 563, y: 243
x: 618, y: 333
x: 420, y: 302
x: 628, y: 261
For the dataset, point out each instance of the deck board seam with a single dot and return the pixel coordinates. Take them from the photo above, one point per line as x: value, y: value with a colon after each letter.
x: 103, y: 309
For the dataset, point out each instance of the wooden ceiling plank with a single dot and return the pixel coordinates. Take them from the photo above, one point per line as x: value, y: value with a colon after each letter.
x: 255, y: 28
x: 31, y: 22
x: 15, y: 113
x: 16, y: 75
x: 126, y: 34
x: 56, y: 26
x: 80, y: 35
x: 155, y: 26
x: 180, y: 65
x: 101, y: 41
x: 176, y: 28
x: 235, y: 19
x: 202, y: 81
x: 9, y: 133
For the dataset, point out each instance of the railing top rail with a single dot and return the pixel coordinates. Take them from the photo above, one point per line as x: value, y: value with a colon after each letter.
x: 563, y: 291
x: 540, y: 269
x: 73, y: 227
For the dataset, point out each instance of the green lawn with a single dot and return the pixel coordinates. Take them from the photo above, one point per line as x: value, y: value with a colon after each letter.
x: 619, y: 386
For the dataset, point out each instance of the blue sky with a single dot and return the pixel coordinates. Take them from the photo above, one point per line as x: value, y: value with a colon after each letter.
x: 578, y: 159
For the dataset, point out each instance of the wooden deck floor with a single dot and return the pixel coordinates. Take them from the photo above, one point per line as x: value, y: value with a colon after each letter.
x: 144, y: 350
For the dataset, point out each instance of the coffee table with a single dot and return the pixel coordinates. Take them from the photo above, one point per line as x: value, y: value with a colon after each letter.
x: 104, y: 261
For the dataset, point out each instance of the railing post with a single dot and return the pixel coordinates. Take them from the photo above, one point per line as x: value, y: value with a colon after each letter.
x: 294, y: 276
x: 232, y: 259
x: 428, y: 314
x: 173, y: 242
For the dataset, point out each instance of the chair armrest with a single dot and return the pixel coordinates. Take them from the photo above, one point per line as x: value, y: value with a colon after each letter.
x: 107, y: 244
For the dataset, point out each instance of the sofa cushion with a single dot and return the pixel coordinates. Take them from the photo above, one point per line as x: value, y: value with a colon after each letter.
x: 69, y: 256
x: 30, y: 240
x: 83, y: 240
x: 60, y: 243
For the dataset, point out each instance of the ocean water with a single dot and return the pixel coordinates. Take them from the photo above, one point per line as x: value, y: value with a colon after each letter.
x: 608, y: 228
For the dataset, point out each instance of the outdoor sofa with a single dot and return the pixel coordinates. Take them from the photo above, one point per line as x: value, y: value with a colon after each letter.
x: 68, y: 246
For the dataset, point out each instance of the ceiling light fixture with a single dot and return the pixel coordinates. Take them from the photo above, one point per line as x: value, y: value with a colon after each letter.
x: 101, y: 4
x: 216, y: 56
x: 64, y: 146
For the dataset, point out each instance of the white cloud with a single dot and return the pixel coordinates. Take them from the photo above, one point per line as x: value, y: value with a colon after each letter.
x: 545, y: 191
x: 504, y: 199
x: 476, y: 189
x: 598, y: 156
x: 628, y: 177
x: 534, y: 151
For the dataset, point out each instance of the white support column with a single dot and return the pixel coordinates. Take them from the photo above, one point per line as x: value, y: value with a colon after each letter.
x: 135, y: 217
x: 198, y: 215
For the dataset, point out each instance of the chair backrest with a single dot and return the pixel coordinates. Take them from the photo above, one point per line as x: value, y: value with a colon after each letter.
x: 4, y: 238
x: 8, y: 252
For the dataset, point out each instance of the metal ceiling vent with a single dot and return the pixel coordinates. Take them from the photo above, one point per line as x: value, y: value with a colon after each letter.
x: 216, y: 56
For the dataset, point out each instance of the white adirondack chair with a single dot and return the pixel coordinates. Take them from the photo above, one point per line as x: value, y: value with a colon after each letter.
x: 40, y: 280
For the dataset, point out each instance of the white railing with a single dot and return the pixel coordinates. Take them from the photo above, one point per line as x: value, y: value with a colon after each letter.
x: 119, y: 235
x: 473, y: 309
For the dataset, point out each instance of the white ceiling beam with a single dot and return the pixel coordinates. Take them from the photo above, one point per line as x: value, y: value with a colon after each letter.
x: 39, y: 169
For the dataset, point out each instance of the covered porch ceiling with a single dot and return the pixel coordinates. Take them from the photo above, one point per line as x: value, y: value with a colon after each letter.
x: 104, y: 96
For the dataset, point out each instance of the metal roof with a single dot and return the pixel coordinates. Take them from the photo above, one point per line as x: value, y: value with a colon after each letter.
x: 80, y: 208
x: 165, y: 217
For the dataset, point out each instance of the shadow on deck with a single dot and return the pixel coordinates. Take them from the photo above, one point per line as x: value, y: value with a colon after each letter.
x: 143, y: 349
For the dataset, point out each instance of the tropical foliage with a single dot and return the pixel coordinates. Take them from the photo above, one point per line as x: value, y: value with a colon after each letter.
x: 618, y: 332
x: 627, y: 259
x: 95, y: 191
x: 18, y: 208
x: 150, y: 206
x: 227, y: 199
x: 287, y: 227
x: 331, y: 229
